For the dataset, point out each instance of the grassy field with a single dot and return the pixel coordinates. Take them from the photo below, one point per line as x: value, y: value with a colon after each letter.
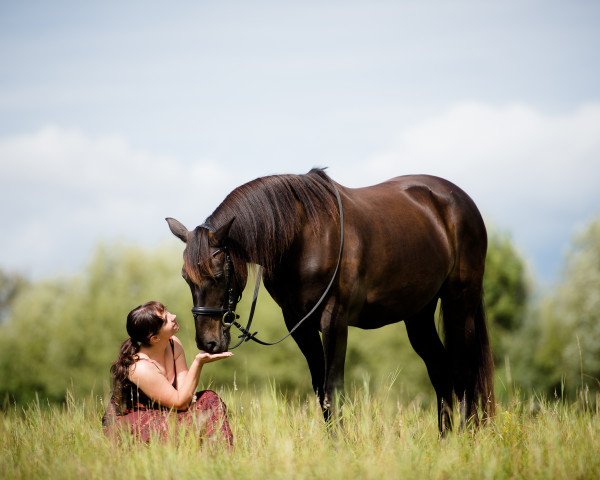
x: 279, y: 437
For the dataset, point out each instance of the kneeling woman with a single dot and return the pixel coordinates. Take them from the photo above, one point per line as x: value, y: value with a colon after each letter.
x: 152, y: 383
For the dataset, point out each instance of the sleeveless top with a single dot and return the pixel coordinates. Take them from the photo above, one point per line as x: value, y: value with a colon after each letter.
x: 136, y: 399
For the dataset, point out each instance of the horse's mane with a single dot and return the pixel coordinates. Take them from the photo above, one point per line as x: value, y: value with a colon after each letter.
x: 269, y: 212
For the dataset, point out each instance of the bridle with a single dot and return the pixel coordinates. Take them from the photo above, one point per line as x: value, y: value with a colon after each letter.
x: 228, y: 315
x: 227, y: 311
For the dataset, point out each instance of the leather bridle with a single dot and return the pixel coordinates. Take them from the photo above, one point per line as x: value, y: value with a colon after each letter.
x: 228, y: 314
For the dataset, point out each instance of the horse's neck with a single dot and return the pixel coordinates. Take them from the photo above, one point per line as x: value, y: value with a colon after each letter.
x: 256, y: 252
x: 263, y: 236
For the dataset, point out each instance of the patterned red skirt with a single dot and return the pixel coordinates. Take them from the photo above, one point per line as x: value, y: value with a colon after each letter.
x: 207, y: 413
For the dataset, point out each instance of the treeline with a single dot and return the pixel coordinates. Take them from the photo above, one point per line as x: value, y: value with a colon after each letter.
x: 62, y: 334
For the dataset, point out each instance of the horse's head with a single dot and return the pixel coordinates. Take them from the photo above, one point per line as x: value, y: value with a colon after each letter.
x: 208, y: 270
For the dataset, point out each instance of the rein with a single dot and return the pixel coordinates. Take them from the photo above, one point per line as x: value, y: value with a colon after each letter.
x: 229, y: 317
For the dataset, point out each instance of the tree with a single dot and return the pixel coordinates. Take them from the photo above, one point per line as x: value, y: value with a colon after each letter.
x: 571, y: 316
x: 558, y: 351
x: 64, y: 333
x: 507, y: 293
x: 10, y: 286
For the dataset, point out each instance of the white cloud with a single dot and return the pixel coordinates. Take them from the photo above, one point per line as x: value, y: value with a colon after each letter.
x: 535, y: 174
x: 61, y: 191
x: 500, y: 148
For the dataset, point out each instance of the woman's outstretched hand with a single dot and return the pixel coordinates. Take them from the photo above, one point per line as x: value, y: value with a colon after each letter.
x: 204, y: 357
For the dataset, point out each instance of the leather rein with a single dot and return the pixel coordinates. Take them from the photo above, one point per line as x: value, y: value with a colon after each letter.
x: 229, y: 317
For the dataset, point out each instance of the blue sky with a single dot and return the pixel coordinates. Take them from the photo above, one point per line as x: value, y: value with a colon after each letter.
x: 114, y: 116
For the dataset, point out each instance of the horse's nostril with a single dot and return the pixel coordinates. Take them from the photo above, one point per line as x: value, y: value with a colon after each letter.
x: 210, y: 346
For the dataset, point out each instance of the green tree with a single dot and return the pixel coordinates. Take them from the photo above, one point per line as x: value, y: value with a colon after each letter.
x: 64, y: 333
x: 507, y: 292
x: 564, y: 335
x: 11, y: 284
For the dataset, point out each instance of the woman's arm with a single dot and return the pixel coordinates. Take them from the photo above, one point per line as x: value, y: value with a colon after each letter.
x: 157, y: 387
x: 180, y: 363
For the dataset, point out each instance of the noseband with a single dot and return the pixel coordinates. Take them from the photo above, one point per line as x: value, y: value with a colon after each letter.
x: 228, y: 315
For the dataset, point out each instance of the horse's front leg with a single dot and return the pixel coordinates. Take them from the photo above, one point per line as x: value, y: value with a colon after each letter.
x: 308, y: 340
x: 334, y: 328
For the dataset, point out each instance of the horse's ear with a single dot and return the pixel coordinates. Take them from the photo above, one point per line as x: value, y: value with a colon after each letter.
x: 177, y: 229
x: 216, y: 238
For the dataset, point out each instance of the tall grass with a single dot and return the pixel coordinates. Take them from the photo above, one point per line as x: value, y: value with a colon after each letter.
x: 285, y: 437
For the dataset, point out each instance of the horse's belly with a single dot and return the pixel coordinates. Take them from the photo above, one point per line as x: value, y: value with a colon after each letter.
x: 376, y: 316
x: 393, y: 303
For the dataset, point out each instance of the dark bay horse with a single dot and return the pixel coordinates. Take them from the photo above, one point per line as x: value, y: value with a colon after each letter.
x: 407, y: 243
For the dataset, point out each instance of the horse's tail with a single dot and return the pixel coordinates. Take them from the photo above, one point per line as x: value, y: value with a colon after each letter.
x: 483, y: 363
x: 467, y: 342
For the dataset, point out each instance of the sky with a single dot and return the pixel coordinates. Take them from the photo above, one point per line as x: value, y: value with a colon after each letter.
x: 115, y: 115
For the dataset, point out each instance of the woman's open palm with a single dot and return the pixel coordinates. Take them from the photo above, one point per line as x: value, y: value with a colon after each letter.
x: 204, y: 357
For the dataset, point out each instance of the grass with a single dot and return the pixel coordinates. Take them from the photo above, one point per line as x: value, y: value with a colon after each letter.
x: 284, y: 437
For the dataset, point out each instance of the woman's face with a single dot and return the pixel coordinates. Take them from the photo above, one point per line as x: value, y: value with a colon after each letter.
x: 170, y: 327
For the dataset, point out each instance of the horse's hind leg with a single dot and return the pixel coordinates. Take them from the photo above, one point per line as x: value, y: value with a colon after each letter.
x: 468, y: 345
x: 425, y: 340
x: 458, y: 326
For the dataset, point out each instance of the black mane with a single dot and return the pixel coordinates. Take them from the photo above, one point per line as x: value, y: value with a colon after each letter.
x: 269, y: 212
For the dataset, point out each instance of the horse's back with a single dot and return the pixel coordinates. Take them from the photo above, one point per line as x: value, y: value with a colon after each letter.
x: 423, y: 189
x: 405, y: 236
x: 411, y: 201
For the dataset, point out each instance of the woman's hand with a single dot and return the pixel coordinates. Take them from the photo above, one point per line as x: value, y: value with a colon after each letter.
x: 204, y: 357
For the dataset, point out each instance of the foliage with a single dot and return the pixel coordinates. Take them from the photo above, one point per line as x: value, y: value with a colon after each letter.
x: 285, y: 437
x: 11, y: 284
x: 66, y: 332
x: 559, y: 349
x: 506, y: 293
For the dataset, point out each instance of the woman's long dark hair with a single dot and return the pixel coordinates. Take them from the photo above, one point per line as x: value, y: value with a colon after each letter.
x: 142, y: 322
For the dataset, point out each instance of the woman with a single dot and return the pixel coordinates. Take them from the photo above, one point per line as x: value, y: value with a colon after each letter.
x: 152, y: 383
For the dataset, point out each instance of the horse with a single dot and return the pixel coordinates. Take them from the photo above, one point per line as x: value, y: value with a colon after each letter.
x: 407, y: 243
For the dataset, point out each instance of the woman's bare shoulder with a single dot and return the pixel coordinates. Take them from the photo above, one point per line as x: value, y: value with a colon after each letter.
x: 178, y: 346
x: 142, y: 368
